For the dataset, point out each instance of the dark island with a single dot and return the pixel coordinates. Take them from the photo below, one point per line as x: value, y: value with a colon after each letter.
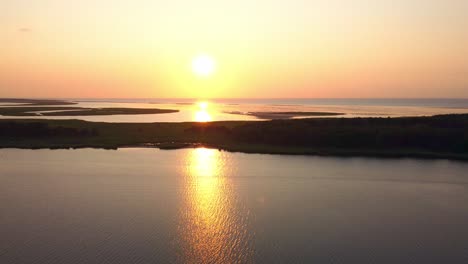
x: 285, y: 115
x: 442, y: 136
x: 45, y: 107
x: 78, y: 111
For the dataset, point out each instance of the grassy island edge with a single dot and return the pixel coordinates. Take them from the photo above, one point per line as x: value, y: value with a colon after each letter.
x: 275, y: 137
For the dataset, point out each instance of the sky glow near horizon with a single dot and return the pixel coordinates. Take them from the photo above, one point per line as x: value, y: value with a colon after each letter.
x: 143, y: 48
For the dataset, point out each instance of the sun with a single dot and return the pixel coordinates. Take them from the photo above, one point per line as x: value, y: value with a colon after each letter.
x: 203, y: 65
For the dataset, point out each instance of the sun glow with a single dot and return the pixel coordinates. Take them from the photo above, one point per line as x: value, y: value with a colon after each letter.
x: 203, y: 65
x: 203, y: 105
x: 202, y: 114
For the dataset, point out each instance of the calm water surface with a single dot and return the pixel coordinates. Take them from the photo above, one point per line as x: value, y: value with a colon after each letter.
x: 207, y: 206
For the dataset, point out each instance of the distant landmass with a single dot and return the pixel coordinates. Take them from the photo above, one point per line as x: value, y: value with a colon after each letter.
x: 284, y: 115
x: 443, y: 136
x: 33, y: 107
x: 19, y: 101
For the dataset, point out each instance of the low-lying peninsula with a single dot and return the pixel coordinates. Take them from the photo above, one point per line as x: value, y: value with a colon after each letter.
x: 285, y: 115
x: 45, y: 107
x: 78, y: 111
x: 444, y: 136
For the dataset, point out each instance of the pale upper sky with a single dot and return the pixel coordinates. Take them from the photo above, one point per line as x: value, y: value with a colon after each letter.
x: 262, y: 48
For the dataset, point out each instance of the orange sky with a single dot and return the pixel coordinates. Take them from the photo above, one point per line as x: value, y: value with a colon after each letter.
x: 263, y: 48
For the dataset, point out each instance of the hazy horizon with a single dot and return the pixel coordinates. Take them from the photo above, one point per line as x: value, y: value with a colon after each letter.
x: 242, y: 98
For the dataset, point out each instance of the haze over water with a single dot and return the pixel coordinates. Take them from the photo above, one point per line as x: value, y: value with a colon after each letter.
x: 195, y: 205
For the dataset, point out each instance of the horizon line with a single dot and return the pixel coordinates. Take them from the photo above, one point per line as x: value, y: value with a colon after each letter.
x: 241, y: 98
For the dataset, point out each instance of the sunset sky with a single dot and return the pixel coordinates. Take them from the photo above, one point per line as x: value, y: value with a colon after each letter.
x: 262, y: 48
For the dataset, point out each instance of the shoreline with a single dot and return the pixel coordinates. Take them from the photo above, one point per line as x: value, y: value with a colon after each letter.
x: 436, y: 137
x: 304, y: 152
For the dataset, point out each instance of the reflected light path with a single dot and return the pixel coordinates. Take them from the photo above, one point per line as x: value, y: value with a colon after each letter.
x: 202, y: 114
x: 206, y: 163
x: 212, y: 228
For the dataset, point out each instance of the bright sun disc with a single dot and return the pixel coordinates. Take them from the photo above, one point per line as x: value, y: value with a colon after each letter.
x: 203, y: 65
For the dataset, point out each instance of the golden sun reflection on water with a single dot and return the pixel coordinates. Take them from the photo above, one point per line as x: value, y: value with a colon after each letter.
x: 202, y: 116
x: 213, y: 229
x: 205, y: 162
x: 202, y: 113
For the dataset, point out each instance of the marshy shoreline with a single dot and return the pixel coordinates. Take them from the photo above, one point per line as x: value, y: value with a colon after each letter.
x: 441, y: 137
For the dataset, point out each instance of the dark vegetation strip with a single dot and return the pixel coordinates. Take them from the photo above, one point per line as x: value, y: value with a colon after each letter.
x: 29, y: 110
x: 444, y: 136
x: 284, y: 115
x: 111, y: 111
x: 78, y: 111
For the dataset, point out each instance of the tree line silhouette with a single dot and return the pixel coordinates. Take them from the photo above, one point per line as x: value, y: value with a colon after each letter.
x: 41, y: 129
x: 438, y: 133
